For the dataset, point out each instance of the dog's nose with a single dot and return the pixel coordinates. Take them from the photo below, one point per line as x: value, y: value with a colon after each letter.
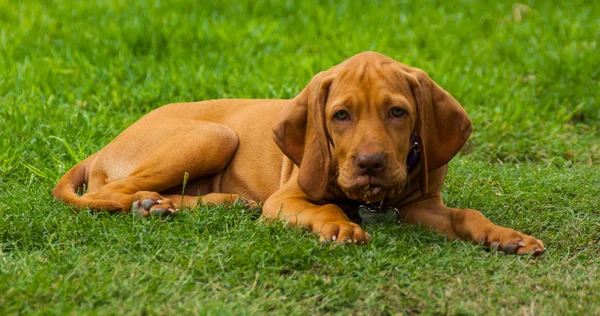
x: 369, y: 163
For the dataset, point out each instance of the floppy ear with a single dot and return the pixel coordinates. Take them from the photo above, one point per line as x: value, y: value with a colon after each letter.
x: 443, y: 126
x: 301, y: 134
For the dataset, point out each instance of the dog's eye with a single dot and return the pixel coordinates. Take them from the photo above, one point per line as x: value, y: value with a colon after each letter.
x: 396, y: 112
x: 341, y: 115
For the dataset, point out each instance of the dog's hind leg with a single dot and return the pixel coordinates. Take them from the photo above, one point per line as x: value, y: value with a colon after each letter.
x: 152, y: 156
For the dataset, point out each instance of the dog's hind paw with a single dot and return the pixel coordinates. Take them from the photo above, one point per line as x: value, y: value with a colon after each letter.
x: 151, y: 207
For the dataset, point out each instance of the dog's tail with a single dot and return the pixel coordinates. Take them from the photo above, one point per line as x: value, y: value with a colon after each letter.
x: 73, y: 181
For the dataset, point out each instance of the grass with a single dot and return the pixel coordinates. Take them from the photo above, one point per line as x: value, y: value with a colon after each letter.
x: 72, y: 76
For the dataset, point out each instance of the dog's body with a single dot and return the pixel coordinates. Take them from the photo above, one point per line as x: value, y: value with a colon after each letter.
x: 344, y: 139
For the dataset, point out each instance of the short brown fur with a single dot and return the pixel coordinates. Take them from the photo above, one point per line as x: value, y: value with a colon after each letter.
x: 311, y: 160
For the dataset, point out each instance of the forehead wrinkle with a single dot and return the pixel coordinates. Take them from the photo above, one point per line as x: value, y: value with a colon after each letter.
x: 362, y: 81
x: 390, y: 77
x: 342, y: 102
x: 357, y: 73
x: 396, y: 98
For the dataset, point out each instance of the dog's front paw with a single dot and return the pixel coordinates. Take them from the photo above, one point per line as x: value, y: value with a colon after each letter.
x: 512, y: 242
x: 153, y: 207
x: 343, y: 232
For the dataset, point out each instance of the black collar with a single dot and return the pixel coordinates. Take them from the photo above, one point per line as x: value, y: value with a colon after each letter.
x: 413, y: 155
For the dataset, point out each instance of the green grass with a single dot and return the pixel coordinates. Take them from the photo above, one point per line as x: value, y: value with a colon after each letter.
x: 72, y: 76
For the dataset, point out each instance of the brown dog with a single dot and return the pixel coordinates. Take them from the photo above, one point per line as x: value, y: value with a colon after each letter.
x: 369, y: 130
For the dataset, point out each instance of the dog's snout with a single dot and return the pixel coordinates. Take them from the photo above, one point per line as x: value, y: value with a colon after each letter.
x: 370, y: 162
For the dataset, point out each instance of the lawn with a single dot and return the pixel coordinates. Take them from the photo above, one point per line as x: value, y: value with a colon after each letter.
x: 73, y: 74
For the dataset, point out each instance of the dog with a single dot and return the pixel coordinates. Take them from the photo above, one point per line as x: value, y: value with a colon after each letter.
x: 370, y: 133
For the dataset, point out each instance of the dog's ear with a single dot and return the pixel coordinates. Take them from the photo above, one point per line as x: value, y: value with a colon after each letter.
x: 443, y: 126
x: 301, y: 134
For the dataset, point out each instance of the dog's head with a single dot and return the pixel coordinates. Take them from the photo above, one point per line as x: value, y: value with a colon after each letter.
x: 352, y: 127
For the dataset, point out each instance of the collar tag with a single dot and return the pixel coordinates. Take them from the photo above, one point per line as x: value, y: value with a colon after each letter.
x: 373, y: 213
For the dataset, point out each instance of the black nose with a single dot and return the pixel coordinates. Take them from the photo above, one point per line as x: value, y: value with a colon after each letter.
x: 369, y: 163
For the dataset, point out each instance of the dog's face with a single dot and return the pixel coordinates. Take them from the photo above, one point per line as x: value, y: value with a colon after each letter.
x: 350, y: 129
x: 370, y: 117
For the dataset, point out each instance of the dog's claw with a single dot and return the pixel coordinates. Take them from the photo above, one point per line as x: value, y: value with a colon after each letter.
x: 171, y: 210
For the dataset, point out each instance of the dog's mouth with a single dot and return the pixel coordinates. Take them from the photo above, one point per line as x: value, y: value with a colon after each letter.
x: 369, y: 189
x: 374, y: 187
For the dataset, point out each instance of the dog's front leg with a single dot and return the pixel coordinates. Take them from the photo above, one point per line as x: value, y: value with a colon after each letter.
x: 469, y: 225
x: 329, y: 221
